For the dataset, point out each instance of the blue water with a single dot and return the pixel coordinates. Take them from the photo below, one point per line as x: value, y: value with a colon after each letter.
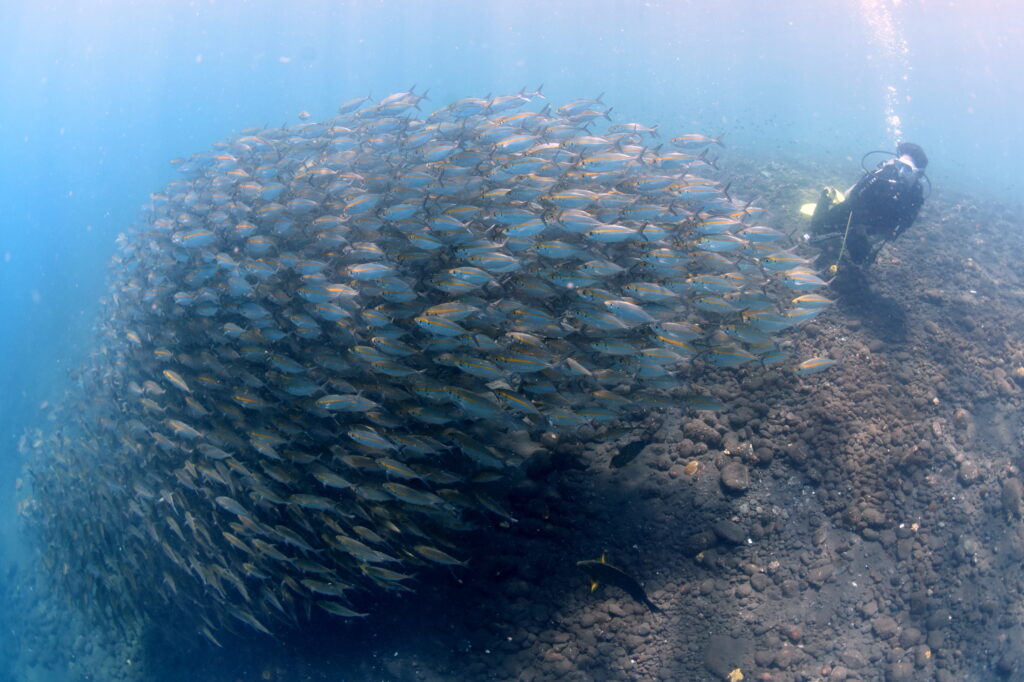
x: 97, y: 96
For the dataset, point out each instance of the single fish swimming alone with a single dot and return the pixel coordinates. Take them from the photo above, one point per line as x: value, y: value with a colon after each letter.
x: 627, y: 453
x: 600, y: 571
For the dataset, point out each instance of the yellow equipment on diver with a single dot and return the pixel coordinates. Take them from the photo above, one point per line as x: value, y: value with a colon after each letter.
x: 834, y: 197
x: 834, y: 268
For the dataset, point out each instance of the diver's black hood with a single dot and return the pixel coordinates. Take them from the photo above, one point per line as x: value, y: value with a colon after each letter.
x: 915, y: 152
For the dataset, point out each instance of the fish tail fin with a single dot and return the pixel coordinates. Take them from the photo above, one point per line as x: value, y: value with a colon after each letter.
x: 640, y: 156
x: 746, y: 210
x: 651, y: 605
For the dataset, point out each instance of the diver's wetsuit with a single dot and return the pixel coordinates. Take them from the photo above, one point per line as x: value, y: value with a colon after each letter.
x: 884, y: 203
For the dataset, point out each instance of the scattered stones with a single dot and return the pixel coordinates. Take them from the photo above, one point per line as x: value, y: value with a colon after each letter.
x: 730, y: 532
x: 700, y: 431
x: 884, y: 626
x: 854, y: 658
x: 790, y: 588
x: 763, y: 456
x: 873, y: 517
x: 900, y: 671
x: 839, y: 673
x: 1012, y: 495
x: 968, y: 473
x: 723, y: 654
x: 1009, y: 663
x: 961, y: 419
x: 698, y: 542
x: 787, y: 656
x: 735, y: 477
x: 819, y: 576
x: 938, y: 620
x: 909, y: 637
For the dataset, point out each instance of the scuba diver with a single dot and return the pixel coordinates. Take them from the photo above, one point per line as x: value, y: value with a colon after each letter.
x: 876, y: 210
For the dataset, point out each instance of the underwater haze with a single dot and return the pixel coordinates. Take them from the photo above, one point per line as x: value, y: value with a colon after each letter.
x: 97, y: 98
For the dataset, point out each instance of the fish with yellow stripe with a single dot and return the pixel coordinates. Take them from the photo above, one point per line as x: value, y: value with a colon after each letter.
x: 331, y: 346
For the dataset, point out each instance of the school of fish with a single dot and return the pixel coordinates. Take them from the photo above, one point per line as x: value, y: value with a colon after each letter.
x: 320, y: 342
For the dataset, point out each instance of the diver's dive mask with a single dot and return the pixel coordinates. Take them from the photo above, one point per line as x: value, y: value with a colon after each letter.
x: 906, y: 169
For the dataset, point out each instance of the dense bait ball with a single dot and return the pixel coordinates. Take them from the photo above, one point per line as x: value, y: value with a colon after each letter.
x: 328, y: 345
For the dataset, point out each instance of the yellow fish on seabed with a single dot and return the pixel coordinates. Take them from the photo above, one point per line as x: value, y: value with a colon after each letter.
x: 600, y: 571
x: 813, y: 366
